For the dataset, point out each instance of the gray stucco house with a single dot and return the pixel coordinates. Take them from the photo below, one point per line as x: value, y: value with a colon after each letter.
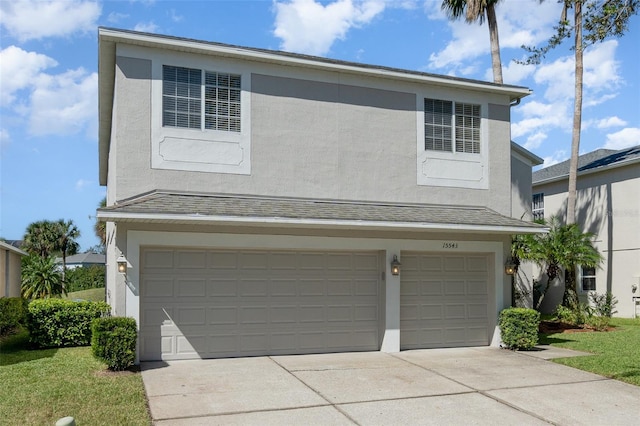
x: 608, y: 206
x: 262, y: 202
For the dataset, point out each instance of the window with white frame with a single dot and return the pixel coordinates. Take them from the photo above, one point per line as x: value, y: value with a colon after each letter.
x: 537, y: 206
x: 451, y: 125
x: 588, y: 278
x: 197, y: 99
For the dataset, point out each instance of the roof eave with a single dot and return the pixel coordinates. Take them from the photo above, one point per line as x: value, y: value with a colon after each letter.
x: 588, y: 171
x: 313, y: 223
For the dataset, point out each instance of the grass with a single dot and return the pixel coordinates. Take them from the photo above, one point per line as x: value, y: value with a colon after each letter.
x: 92, y: 295
x: 41, y: 386
x: 616, y: 354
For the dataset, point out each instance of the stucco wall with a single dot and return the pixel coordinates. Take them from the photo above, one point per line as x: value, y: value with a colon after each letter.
x: 608, y: 205
x: 318, y: 135
x: 10, y: 279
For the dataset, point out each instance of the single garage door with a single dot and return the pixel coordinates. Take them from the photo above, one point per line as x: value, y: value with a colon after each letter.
x: 443, y: 300
x: 198, y: 303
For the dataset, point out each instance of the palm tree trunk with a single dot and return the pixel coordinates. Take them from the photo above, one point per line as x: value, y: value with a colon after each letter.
x: 577, y: 115
x: 496, y: 62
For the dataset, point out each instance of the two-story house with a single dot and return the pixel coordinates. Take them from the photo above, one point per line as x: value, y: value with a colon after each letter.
x: 608, y: 206
x: 262, y: 202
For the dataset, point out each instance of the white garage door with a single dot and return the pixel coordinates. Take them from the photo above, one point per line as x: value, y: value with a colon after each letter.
x: 443, y: 300
x: 198, y: 303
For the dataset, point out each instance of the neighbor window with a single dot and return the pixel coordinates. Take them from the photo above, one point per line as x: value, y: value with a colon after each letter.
x: 588, y: 278
x: 451, y: 125
x: 196, y: 99
x: 537, y: 206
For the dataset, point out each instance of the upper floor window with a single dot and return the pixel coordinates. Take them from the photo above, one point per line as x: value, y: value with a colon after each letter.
x: 451, y: 125
x: 537, y: 207
x: 588, y: 279
x: 196, y: 99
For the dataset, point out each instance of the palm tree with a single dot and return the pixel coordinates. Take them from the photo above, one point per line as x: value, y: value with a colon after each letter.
x: 65, y: 240
x: 563, y: 248
x: 41, y: 278
x: 39, y: 238
x: 100, y: 227
x: 477, y: 11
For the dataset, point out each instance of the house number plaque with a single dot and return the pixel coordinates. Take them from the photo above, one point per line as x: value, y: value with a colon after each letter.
x: 449, y: 245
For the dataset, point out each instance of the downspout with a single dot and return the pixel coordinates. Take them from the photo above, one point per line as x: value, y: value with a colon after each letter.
x: 515, y: 103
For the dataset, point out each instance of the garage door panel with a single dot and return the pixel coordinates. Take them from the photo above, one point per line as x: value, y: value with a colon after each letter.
x: 339, y: 287
x: 448, y: 306
x: 455, y: 288
x: 217, y: 288
x: 235, y: 303
x: 158, y: 259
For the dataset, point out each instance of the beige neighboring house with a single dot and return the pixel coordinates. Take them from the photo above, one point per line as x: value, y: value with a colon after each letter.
x: 262, y: 202
x: 608, y: 205
x: 10, y: 270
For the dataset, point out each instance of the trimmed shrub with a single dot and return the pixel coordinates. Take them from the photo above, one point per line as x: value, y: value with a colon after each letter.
x: 61, y: 322
x: 519, y: 328
x: 113, y: 341
x: 13, y: 313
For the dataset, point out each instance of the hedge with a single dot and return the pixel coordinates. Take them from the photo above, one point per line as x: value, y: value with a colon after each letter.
x: 61, y: 322
x: 13, y: 312
x: 519, y: 328
x: 113, y: 341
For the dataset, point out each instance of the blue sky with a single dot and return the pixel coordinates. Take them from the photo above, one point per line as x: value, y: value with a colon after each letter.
x: 48, y: 78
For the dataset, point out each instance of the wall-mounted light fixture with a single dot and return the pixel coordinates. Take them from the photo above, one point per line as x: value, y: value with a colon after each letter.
x: 122, y: 264
x: 395, y: 265
x: 510, y: 266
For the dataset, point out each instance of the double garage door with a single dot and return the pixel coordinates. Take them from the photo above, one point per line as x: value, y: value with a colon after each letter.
x: 200, y: 303
x: 214, y: 303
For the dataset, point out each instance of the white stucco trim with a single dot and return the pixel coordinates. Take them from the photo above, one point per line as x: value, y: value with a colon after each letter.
x: 391, y: 335
x: 313, y: 223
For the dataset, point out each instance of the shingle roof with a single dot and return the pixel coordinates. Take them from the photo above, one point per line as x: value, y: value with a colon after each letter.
x: 601, y: 158
x: 174, y: 207
x: 84, y: 258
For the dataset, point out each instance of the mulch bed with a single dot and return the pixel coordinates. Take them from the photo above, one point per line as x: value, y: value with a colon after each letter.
x: 553, y: 327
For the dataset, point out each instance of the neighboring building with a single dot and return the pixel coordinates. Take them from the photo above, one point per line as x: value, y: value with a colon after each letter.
x: 257, y: 200
x: 83, y: 260
x: 10, y: 270
x: 608, y: 205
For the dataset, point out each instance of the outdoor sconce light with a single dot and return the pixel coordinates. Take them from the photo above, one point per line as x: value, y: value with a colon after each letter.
x: 395, y: 266
x: 122, y: 264
x: 510, y: 267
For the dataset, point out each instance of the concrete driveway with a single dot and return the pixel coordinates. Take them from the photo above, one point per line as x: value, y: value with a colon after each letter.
x: 468, y: 386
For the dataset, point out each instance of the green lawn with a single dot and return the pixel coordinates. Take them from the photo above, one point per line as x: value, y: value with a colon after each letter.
x: 616, y: 353
x: 41, y: 386
x: 92, y: 295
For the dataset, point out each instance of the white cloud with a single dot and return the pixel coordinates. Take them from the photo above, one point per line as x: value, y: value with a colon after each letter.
x: 116, y: 17
x: 513, y: 73
x: 146, y: 27
x: 64, y: 104
x: 5, y: 138
x: 174, y: 16
x: 82, y: 184
x: 307, y: 26
x: 608, y: 122
x: 625, y: 138
x: 555, y: 158
x: 36, y: 19
x: 471, y: 41
x: 18, y: 70
x: 535, y: 140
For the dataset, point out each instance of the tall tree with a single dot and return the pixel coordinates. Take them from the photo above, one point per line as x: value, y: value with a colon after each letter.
x: 600, y: 19
x: 39, y: 239
x: 564, y: 247
x: 66, y: 233
x: 478, y: 11
x: 100, y: 227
